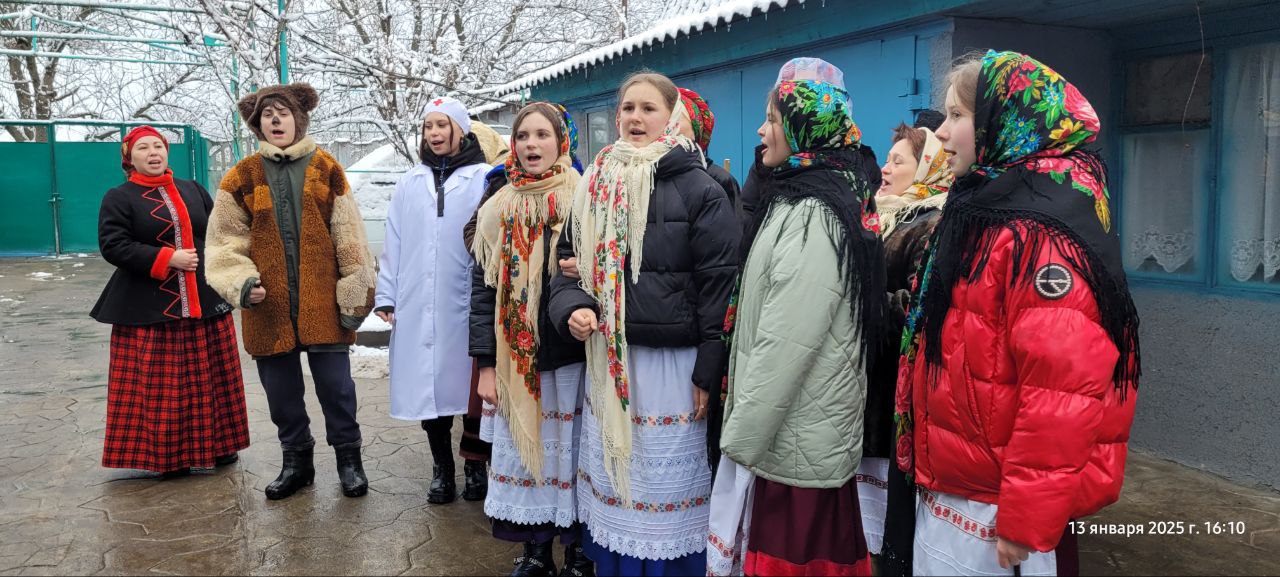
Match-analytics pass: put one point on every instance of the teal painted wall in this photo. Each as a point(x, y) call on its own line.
point(888, 75)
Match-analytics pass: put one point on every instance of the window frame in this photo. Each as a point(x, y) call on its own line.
point(587, 112)
point(1214, 277)
point(1222, 252)
point(1204, 223)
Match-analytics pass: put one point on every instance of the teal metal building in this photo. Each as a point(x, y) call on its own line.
point(1189, 96)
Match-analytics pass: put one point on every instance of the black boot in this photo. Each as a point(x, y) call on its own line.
point(477, 477)
point(536, 561)
point(228, 459)
point(576, 563)
point(296, 471)
point(351, 470)
point(444, 488)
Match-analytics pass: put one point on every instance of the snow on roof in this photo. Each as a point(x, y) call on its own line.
point(681, 24)
point(503, 101)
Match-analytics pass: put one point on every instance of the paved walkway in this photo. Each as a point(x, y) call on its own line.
point(65, 514)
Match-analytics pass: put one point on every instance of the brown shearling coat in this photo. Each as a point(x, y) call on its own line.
point(337, 274)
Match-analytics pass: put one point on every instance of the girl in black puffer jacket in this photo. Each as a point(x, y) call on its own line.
point(655, 241)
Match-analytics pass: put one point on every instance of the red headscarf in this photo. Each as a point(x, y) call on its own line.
point(126, 145)
point(700, 117)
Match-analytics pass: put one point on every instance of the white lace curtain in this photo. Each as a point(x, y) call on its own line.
point(1250, 187)
point(1164, 200)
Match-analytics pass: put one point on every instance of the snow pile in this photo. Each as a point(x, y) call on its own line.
point(366, 363)
point(362, 351)
point(505, 100)
point(373, 324)
point(373, 179)
point(668, 29)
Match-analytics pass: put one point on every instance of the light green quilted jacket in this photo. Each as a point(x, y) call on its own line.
point(797, 382)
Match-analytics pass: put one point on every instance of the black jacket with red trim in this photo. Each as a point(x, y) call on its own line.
point(136, 234)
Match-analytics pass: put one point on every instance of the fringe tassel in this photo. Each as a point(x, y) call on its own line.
point(973, 231)
point(528, 445)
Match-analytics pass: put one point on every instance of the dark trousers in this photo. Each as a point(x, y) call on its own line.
point(440, 438)
point(282, 378)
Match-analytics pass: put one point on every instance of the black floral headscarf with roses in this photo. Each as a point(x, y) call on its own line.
point(827, 164)
point(1031, 177)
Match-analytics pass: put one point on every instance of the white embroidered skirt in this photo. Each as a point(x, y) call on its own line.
point(670, 478)
point(731, 500)
point(873, 499)
point(956, 536)
point(514, 495)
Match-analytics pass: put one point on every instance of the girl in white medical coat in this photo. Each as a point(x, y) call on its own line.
point(424, 289)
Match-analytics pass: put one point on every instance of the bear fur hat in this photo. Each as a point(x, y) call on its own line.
point(300, 98)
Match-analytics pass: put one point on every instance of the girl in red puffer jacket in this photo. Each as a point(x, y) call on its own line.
point(1020, 358)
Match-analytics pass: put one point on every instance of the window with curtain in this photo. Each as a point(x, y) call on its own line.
point(1202, 167)
point(1166, 152)
point(1165, 187)
point(601, 131)
point(1250, 166)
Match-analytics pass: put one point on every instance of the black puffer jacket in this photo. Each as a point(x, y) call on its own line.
point(751, 192)
point(688, 272)
point(554, 349)
point(903, 250)
point(727, 182)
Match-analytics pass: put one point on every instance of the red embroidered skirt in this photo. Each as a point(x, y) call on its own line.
point(175, 396)
point(797, 531)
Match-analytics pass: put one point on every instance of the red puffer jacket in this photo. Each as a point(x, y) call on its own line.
point(1024, 413)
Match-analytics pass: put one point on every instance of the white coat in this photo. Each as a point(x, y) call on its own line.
point(425, 273)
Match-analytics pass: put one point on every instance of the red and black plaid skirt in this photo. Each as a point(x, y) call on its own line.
point(175, 397)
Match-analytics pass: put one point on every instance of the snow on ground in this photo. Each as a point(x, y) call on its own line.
point(370, 362)
point(45, 276)
point(366, 363)
point(363, 351)
point(373, 324)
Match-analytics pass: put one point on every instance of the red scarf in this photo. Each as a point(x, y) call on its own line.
point(168, 195)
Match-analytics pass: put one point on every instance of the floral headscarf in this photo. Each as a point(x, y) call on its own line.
point(517, 175)
point(816, 120)
point(1030, 116)
point(928, 187)
point(700, 117)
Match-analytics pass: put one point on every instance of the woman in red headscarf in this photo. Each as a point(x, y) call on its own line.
point(175, 395)
point(697, 126)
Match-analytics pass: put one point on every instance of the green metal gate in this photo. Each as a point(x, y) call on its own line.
point(50, 191)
